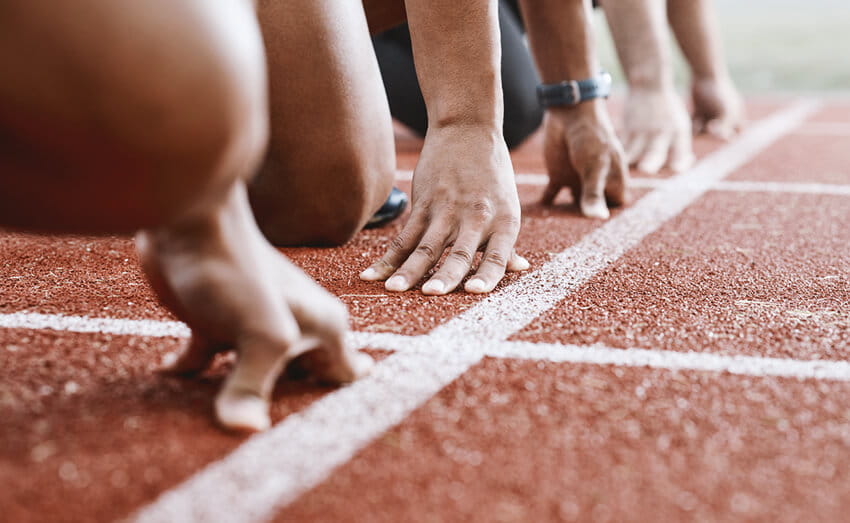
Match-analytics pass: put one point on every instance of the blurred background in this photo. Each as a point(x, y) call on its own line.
point(772, 45)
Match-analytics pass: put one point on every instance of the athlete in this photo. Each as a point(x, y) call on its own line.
point(120, 116)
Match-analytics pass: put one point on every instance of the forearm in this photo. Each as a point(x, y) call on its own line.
point(561, 37)
point(698, 34)
point(457, 54)
point(639, 28)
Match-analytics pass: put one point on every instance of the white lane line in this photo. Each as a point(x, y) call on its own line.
point(421, 345)
point(509, 310)
point(641, 182)
point(60, 322)
point(598, 354)
point(270, 470)
point(829, 189)
point(253, 488)
point(672, 360)
point(824, 129)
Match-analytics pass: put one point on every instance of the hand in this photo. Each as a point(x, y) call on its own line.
point(657, 130)
point(718, 108)
point(235, 291)
point(464, 198)
point(583, 153)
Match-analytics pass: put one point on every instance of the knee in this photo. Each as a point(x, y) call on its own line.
point(373, 181)
point(327, 206)
point(202, 135)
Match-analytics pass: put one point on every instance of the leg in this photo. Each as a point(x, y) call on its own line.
point(159, 129)
point(328, 104)
point(158, 118)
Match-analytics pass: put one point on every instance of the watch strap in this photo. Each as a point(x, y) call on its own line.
point(573, 92)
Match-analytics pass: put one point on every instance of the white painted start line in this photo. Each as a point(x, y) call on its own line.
point(555, 352)
point(272, 469)
point(641, 182)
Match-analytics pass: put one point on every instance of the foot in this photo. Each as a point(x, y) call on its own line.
point(235, 291)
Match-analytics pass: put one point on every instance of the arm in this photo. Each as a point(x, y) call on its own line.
point(464, 193)
point(718, 108)
point(656, 123)
point(581, 150)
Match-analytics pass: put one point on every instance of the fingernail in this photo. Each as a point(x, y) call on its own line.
point(434, 287)
point(521, 264)
point(396, 284)
point(476, 285)
point(369, 274)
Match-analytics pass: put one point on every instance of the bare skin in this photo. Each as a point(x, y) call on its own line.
point(656, 123)
point(464, 195)
point(158, 130)
point(345, 162)
point(581, 150)
point(657, 127)
point(718, 107)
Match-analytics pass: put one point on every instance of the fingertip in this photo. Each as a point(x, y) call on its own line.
point(476, 286)
point(434, 287)
point(361, 365)
point(518, 263)
point(396, 284)
point(683, 163)
point(650, 165)
point(369, 274)
point(595, 208)
point(242, 411)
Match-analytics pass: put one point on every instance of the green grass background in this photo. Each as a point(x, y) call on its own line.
point(772, 45)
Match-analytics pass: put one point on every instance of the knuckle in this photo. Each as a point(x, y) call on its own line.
point(495, 258)
point(483, 210)
point(461, 255)
point(510, 223)
point(398, 244)
point(428, 250)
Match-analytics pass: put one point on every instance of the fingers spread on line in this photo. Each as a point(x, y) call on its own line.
point(592, 202)
point(399, 249)
point(456, 264)
point(424, 256)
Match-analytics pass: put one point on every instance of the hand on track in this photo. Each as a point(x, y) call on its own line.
point(657, 130)
point(464, 198)
point(583, 153)
point(219, 275)
point(718, 108)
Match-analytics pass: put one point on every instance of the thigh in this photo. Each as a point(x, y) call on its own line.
point(112, 111)
point(331, 156)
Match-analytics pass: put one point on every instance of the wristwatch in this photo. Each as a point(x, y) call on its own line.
point(573, 92)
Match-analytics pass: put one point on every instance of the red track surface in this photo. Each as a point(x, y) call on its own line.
point(90, 431)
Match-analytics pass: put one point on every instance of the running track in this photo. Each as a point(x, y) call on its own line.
point(684, 360)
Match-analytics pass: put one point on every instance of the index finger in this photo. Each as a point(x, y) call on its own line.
point(398, 251)
point(592, 202)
